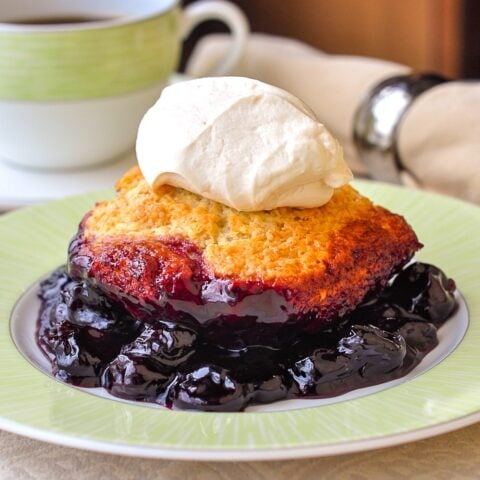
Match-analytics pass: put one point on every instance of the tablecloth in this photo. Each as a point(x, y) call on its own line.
point(455, 455)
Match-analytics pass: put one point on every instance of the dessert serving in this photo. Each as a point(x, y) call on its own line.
point(237, 265)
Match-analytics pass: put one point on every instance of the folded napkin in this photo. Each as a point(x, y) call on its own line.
point(439, 136)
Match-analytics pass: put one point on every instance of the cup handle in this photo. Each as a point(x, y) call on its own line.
point(227, 13)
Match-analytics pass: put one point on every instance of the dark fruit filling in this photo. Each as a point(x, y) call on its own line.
point(220, 365)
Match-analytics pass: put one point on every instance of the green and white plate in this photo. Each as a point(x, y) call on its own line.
point(441, 394)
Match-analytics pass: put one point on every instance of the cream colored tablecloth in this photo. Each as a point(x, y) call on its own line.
point(454, 455)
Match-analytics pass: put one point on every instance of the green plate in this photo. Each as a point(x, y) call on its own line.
point(444, 396)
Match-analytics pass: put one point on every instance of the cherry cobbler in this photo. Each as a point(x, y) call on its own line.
point(171, 298)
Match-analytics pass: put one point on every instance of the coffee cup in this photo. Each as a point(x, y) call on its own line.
point(76, 77)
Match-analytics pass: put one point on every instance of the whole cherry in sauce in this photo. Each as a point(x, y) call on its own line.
point(425, 290)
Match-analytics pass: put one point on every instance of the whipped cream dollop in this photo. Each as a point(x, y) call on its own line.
point(242, 143)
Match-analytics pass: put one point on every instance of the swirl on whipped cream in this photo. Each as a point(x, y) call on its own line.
point(240, 142)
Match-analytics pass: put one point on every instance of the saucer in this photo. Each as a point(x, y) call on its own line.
point(21, 187)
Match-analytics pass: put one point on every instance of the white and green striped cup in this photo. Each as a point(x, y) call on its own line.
point(72, 94)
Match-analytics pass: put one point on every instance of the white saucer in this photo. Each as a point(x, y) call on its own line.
point(21, 187)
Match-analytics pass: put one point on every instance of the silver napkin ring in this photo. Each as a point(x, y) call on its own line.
point(378, 117)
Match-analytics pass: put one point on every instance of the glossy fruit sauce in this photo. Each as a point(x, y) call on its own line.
point(94, 341)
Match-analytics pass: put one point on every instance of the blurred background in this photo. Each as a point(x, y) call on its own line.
point(428, 35)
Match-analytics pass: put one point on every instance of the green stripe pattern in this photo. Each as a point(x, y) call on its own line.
point(89, 63)
point(34, 241)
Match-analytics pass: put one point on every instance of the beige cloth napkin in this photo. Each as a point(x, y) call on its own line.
point(439, 137)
